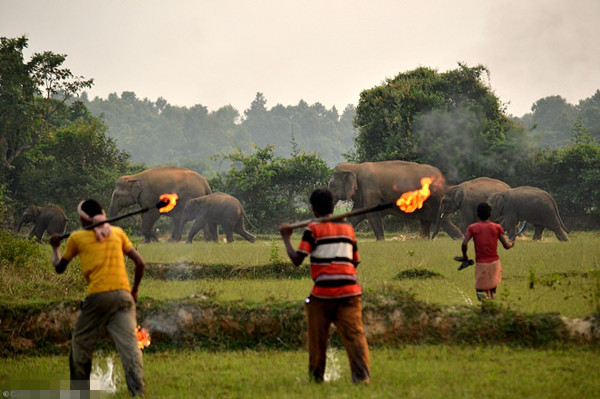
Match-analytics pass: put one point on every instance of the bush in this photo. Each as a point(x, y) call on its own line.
point(26, 271)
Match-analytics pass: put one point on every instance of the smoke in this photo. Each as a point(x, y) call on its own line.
point(333, 368)
point(445, 141)
point(103, 376)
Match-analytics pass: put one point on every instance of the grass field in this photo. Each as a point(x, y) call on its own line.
point(426, 372)
point(541, 277)
point(538, 277)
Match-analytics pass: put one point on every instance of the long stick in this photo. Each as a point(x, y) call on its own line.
point(341, 216)
point(114, 219)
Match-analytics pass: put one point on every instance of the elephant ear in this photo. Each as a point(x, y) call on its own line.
point(35, 211)
point(497, 203)
point(135, 187)
point(350, 184)
point(458, 196)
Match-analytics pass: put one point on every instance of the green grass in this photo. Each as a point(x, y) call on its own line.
point(538, 277)
point(562, 273)
point(413, 371)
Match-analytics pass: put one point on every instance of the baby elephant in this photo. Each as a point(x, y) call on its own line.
point(50, 219)
point(216, 208)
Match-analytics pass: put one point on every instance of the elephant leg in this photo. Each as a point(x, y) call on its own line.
point(177, 227)
point(148, 220)
point(355, 220)
point(196, 227)
point(510, 227)
point(539, 232)
point(451, 229)
point(37, 232)
point(425, 228)
point(211, 232)
point(228, 233)
point(241, 230)
point(376, 222)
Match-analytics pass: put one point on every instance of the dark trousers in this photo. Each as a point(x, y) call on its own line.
point(346, 315)
point(116, 311)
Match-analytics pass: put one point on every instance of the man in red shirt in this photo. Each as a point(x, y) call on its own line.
point(485, 235)
point(336, 296)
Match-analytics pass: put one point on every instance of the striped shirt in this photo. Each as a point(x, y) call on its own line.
point(333, 259)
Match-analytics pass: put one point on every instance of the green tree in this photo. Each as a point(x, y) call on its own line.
point(550, 122)
point(589, 113)
point(79, 162)
point(33, 97)
point(452, 120)
point(571, 175)
point(272, 189)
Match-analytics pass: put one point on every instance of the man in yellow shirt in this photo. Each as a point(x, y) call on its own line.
point(110, 302)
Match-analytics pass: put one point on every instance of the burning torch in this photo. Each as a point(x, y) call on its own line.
point(409, 202)
point(166, 204)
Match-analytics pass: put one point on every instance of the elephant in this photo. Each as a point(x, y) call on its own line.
point(530, 204)
point(465, 197)
point(50, 219)
point(144, 189)
point(217, 208)
point(371, 183)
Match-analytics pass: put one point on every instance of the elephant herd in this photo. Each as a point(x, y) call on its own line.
point(366, 184)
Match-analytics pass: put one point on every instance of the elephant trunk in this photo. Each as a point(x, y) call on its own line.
point(114, 209)
point(19, 226)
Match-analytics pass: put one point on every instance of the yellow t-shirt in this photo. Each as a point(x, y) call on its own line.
point(102, 263)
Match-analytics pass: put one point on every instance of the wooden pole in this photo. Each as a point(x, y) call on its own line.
point(341, 216)
point(114, 219)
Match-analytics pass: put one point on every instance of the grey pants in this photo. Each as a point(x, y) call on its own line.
point(116, 311)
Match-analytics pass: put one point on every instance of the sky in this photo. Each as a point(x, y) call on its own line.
point(223, 52)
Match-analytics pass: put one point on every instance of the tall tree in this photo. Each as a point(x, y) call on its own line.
point(33, 97)
point(452, 120)
point(79, 162)
point(270, 187)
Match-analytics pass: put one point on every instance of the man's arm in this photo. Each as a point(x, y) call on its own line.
point(505, 242)
point(464, 246)
point(286, 233)
point(140, 267)
point(60, 263)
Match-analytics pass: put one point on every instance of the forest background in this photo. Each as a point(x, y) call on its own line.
point(57, 146)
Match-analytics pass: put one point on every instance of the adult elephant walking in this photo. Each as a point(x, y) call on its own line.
point(46, 219)
point(530, 204)
point(371, 183)
point(465, 197)
point(145, 188)
point(216, 208)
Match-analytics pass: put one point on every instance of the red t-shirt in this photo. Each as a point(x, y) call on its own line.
point(485, 236)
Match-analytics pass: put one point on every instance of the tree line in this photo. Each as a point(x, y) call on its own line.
point(156, 133)
point(57, 146)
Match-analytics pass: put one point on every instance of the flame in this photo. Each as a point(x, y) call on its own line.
point(413, 200)
point(143, 337)
point(171, 200)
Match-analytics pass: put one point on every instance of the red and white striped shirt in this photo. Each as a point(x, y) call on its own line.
point(333, 259)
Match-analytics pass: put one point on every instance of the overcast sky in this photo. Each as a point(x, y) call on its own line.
point(221, 52)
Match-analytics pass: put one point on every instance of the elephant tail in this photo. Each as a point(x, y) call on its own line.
point(248, 220)
point(562, 224)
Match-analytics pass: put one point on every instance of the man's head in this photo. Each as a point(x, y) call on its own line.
point(484, 211)
point(322, 202)
point(89, 209)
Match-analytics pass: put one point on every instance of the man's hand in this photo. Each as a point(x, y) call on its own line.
point(134, 294)
point(55, 241)
point(285, 230)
